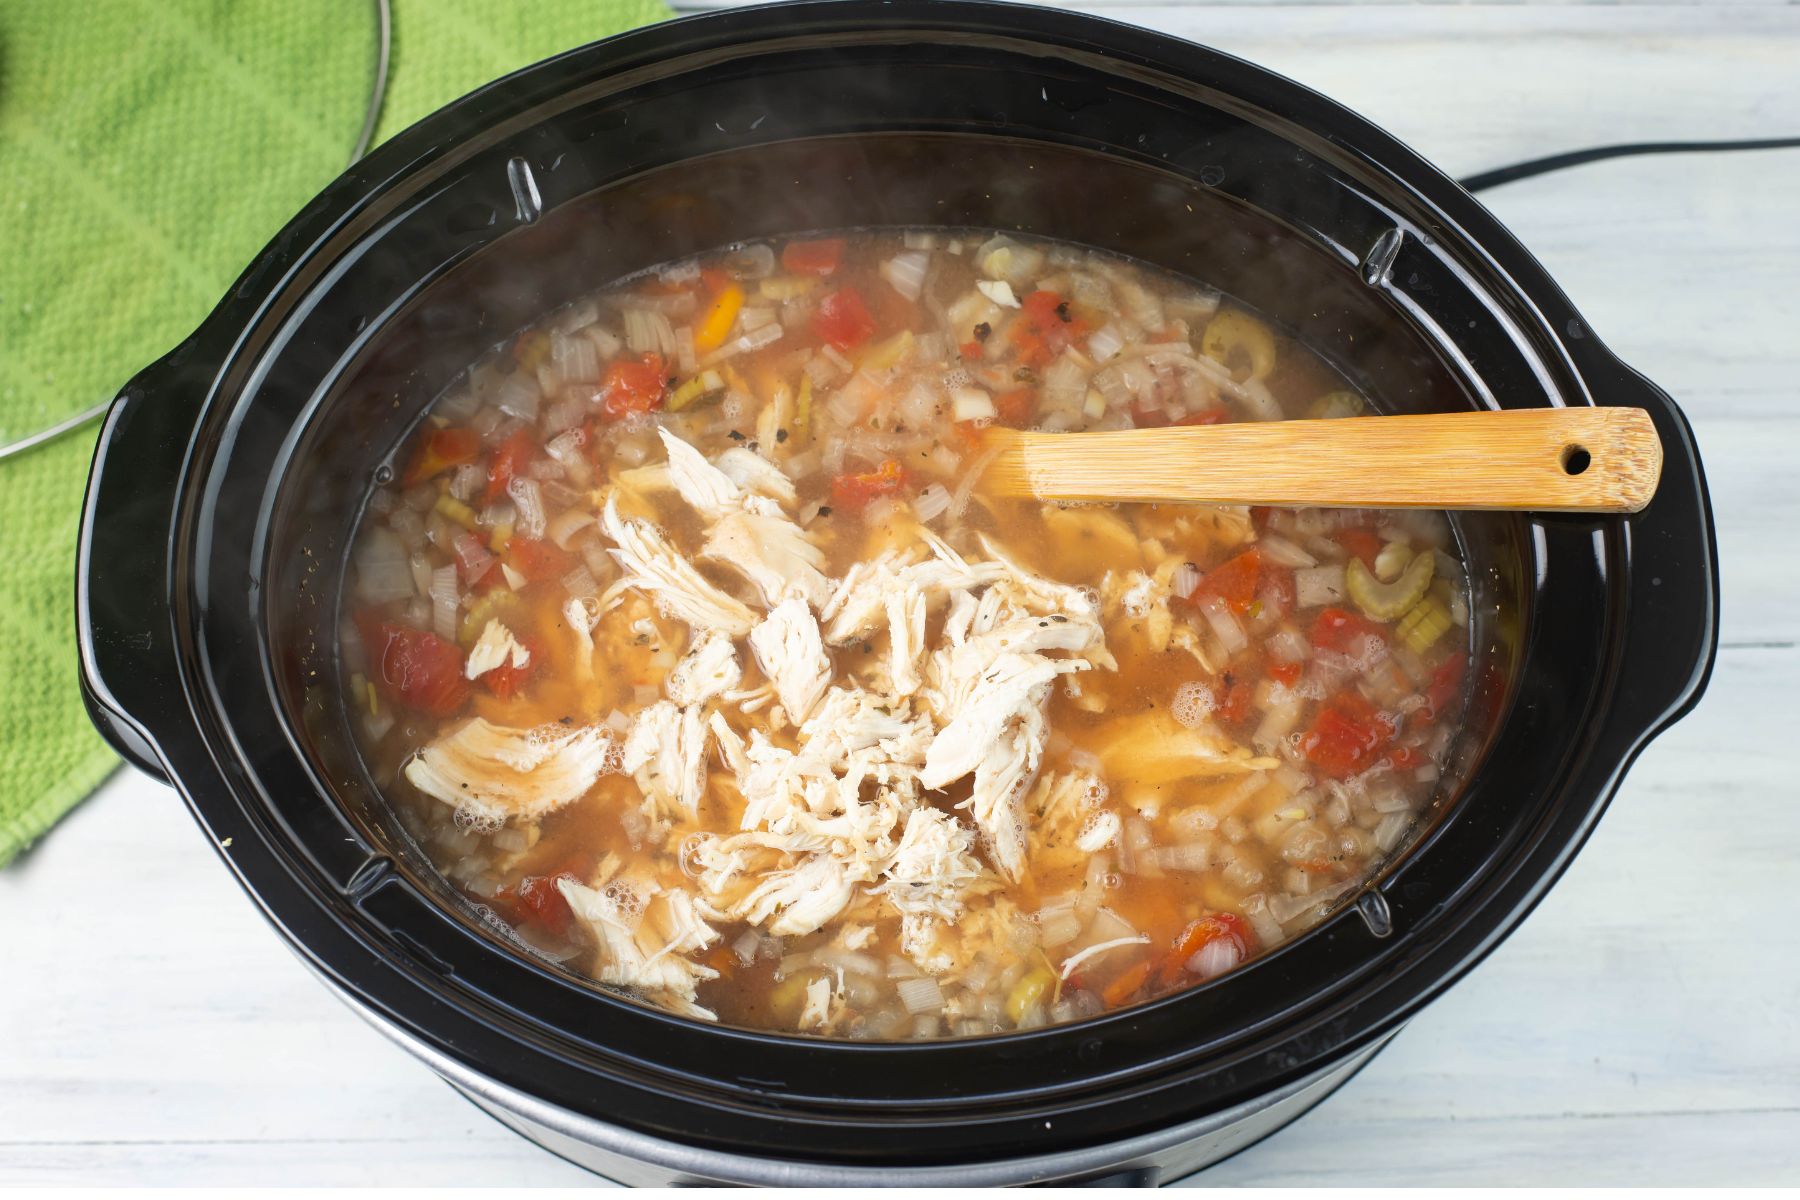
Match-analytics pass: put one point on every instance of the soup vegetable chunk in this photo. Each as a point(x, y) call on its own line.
point(685, 639)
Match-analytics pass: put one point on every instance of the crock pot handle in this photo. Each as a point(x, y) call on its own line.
point(129, 676)
point(1673, 586)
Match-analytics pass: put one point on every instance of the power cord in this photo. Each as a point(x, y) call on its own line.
point(1473, 183)
point(1576, 158)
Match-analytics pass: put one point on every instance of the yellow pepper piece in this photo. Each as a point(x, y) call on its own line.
point(1027, 993)
point(700, 386)
point(1240, 343)
point(456, 510)
point(498, 539)
point(1385, 601)
point(1335, 404)
point(711, 332)
point(495, 603)
point(885, 354)
point(1420, 628)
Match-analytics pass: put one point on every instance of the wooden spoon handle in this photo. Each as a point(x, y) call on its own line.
point(1604, 460)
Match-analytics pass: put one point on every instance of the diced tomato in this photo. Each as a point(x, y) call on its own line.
point(843, 320)
point(970, 350)
point(1445, 683)
point(1126, 983)
point(473, 562)
point(439, 451)
point(969, 434)
point(1156, 418)
point(714, 280)
point(417, 669)
point(820, 257)
point(537, 900)
point(505, 680)
point(1044, 328)
point(1017, 407)
point(510, 459)
point(1199, 934)
point(1344, 632)
point(853, 492)
point(1277, 590)
point(1347, 736)
point(634, 385)
point(1234, 703)
point(1287, 674)
point(537, 559)
point(1233, 581)
point(1361, 544)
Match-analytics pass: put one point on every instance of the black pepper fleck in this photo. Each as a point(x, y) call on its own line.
point(824, 510)
point(780, 436)
point(983, 332)
point(735, 436)
point(1062, 312)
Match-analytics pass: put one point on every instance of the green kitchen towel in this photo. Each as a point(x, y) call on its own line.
point(148, 150)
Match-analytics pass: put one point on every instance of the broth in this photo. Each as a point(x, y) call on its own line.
point(686, 642)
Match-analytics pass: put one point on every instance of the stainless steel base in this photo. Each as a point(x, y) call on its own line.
point(641, 1160)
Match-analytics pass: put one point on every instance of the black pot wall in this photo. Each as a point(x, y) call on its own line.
point(241, 460)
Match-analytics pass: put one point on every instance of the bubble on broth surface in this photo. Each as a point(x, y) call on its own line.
point(1193, 704)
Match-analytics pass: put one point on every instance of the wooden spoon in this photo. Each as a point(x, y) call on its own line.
point(1600, 460)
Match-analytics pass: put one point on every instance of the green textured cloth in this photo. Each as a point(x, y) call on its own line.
point(148, 150)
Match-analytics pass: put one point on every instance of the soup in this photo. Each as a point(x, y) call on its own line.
point(689, 646)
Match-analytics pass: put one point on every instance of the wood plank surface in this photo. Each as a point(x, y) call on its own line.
point(1640, 1027)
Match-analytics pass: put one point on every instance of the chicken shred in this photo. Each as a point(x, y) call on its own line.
point(492, 773)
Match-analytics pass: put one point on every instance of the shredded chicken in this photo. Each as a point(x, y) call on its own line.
point(492, 773)
point(788, 649)
point(651, 565)
point(496, 647)
point(642, 936)
point(772, 552)
point(666, 753)
point(709, 669)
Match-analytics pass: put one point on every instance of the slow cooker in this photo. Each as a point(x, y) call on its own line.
point(230, 472)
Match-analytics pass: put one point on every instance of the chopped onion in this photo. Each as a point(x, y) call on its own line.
point(1194, 856)
point(382, 571)
point(1215, 958)
point(647, 331)
point(999, 291)
point(606, 343)
point(567, 524)
point(1225, 625)
point(1059, 928)
point(530, 502)
point(972, 404)
point(1284, 553)
point(377, 724)
point(746, 946)
point(514, 580)
point(905, 273)
point(932, 502)
point(1388, 833)
point(518, 396)
point(576, 358)
point(1105, 343)
point(1065, 385)
point(920, 995)
point(444, 602)
point(1185, 580)
point(580, 582)
point(1315, 587)
point(566, 448)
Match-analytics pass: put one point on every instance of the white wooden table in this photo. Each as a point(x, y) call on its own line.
point(1642, 1027)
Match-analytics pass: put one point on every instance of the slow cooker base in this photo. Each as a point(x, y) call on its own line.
point(639, 1160)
